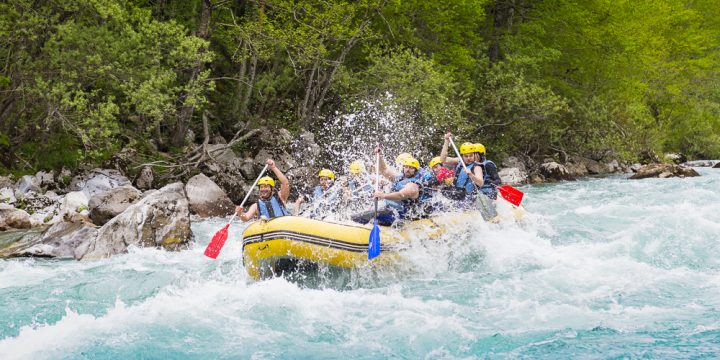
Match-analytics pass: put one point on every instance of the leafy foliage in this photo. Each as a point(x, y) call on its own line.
point(80, 79)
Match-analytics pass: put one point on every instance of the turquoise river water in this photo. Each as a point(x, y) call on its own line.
point(601, 268)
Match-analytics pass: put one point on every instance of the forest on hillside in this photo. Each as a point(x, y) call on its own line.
point(82, 79)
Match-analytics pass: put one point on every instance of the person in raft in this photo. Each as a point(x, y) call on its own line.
point(271, 203)
point(468, 178)
point(324, 197)
point(405, 201)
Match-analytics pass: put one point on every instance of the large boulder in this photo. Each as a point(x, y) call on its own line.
point(59, 241)
point(664, 171)
point(161, 219)
point(98, 180)
point(206, 198)
point(513, 176)
point(717, 166)
point(12, 218)
point(552, 171)
point(106, 205)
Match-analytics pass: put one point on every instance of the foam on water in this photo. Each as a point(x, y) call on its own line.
point(602, 267)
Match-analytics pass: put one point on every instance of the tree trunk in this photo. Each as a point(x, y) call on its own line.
point(501, 20)
point(185, 114)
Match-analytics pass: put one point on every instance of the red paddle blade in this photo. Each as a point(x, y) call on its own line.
point(217, 242)
point(511, 194)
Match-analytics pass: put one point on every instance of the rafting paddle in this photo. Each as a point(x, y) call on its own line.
point(509, 193)
point(374, 240)
point(218, 241)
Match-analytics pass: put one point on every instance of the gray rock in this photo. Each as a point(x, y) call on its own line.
point(35, 202)
point(97, 181)
point(514, 162)
point(12, 218)
point(595, 167)
point(7, 196)
point(635, 167)
point(577, 169)
point(702, 163)
point(206, 198)
point(664, 171)
point(145, 179)
point(222, 154)
point(46, 179)
point(553, 171)
point(248, 169)
point(59, 241)
point(28, 183)
point(717, 166)
point(7, 182)
point(106, 205)
point(161, 219)
point(512, 176)
point(613, 166)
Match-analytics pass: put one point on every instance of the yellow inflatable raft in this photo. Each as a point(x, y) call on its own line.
point(284, 244)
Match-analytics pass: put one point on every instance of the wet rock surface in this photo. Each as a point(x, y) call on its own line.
point(663, 171)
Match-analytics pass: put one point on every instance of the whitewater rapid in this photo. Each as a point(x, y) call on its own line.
point(600, 268)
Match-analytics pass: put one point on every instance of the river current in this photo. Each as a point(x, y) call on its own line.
point(599, 268)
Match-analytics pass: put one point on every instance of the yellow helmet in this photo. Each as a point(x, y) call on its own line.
point(467, 148)
point(400, 158)
point(327, 173)
point(411, 161)
point(357, 167)
point(266, 180)
point(480, 148)
point(436, 160)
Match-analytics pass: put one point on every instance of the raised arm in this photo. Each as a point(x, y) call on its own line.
point(284, 192)
point(444, 152)
point(385, 171)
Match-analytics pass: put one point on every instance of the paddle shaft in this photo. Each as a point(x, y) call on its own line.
point(377, 181)
point(460, 159)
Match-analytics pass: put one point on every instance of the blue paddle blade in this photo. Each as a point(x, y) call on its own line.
point(374, 241)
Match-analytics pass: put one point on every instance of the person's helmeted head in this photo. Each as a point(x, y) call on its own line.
point(410, 167)
point(357, 167)
point(435, 164)
point(326, 178)
point(479, 152)
point(467, 151)
point(265, 187)
point(400, 158)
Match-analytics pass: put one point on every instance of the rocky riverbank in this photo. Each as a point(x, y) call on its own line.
point(100, 212)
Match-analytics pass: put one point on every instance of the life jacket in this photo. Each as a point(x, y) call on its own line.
point(491, 178)
point(318, 192)
point(409, 208)
point(272, 208)
point(462, 179)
